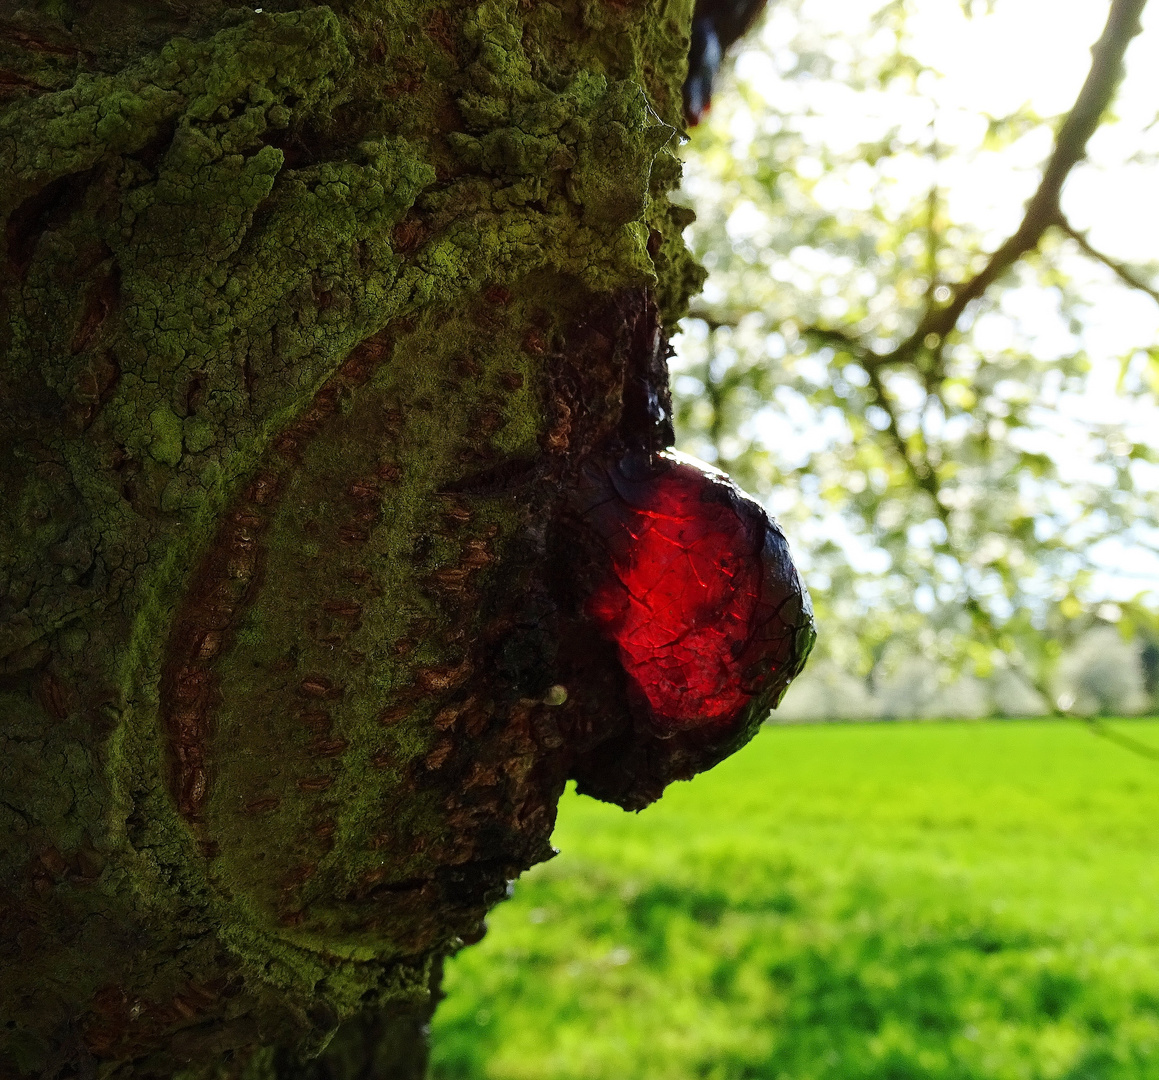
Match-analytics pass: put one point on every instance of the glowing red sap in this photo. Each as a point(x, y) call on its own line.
point(702, 600)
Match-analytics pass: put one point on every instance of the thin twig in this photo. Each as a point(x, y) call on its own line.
point(713, 319)
point(840, 339)
point(1094, 724)
point(1099, 727)
point(1120, 269)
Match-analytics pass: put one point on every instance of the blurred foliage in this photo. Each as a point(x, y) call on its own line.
point(836, 902)
point(945, 491)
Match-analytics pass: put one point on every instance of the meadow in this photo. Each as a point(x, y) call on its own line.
point(959, 901)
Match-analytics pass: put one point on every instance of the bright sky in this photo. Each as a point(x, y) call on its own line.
point(1031, 53)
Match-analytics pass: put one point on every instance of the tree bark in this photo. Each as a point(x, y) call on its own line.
point(310, 314)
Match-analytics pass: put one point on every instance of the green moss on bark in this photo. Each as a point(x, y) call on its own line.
point(199, 236)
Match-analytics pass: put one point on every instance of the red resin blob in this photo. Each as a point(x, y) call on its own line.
point(697, 597)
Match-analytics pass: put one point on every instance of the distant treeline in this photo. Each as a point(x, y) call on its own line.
point(1103, 674)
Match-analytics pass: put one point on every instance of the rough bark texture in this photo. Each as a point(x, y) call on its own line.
point(308, 315)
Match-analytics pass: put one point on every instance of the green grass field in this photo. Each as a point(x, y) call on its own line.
point(894, 901)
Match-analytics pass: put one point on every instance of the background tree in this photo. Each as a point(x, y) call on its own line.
point(907, 387)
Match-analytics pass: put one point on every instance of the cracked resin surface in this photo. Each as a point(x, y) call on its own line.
point(701, 598)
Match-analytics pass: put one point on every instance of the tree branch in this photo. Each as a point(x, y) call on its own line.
point(1042, 210)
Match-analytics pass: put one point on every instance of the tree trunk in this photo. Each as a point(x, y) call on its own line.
point(311, 317)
